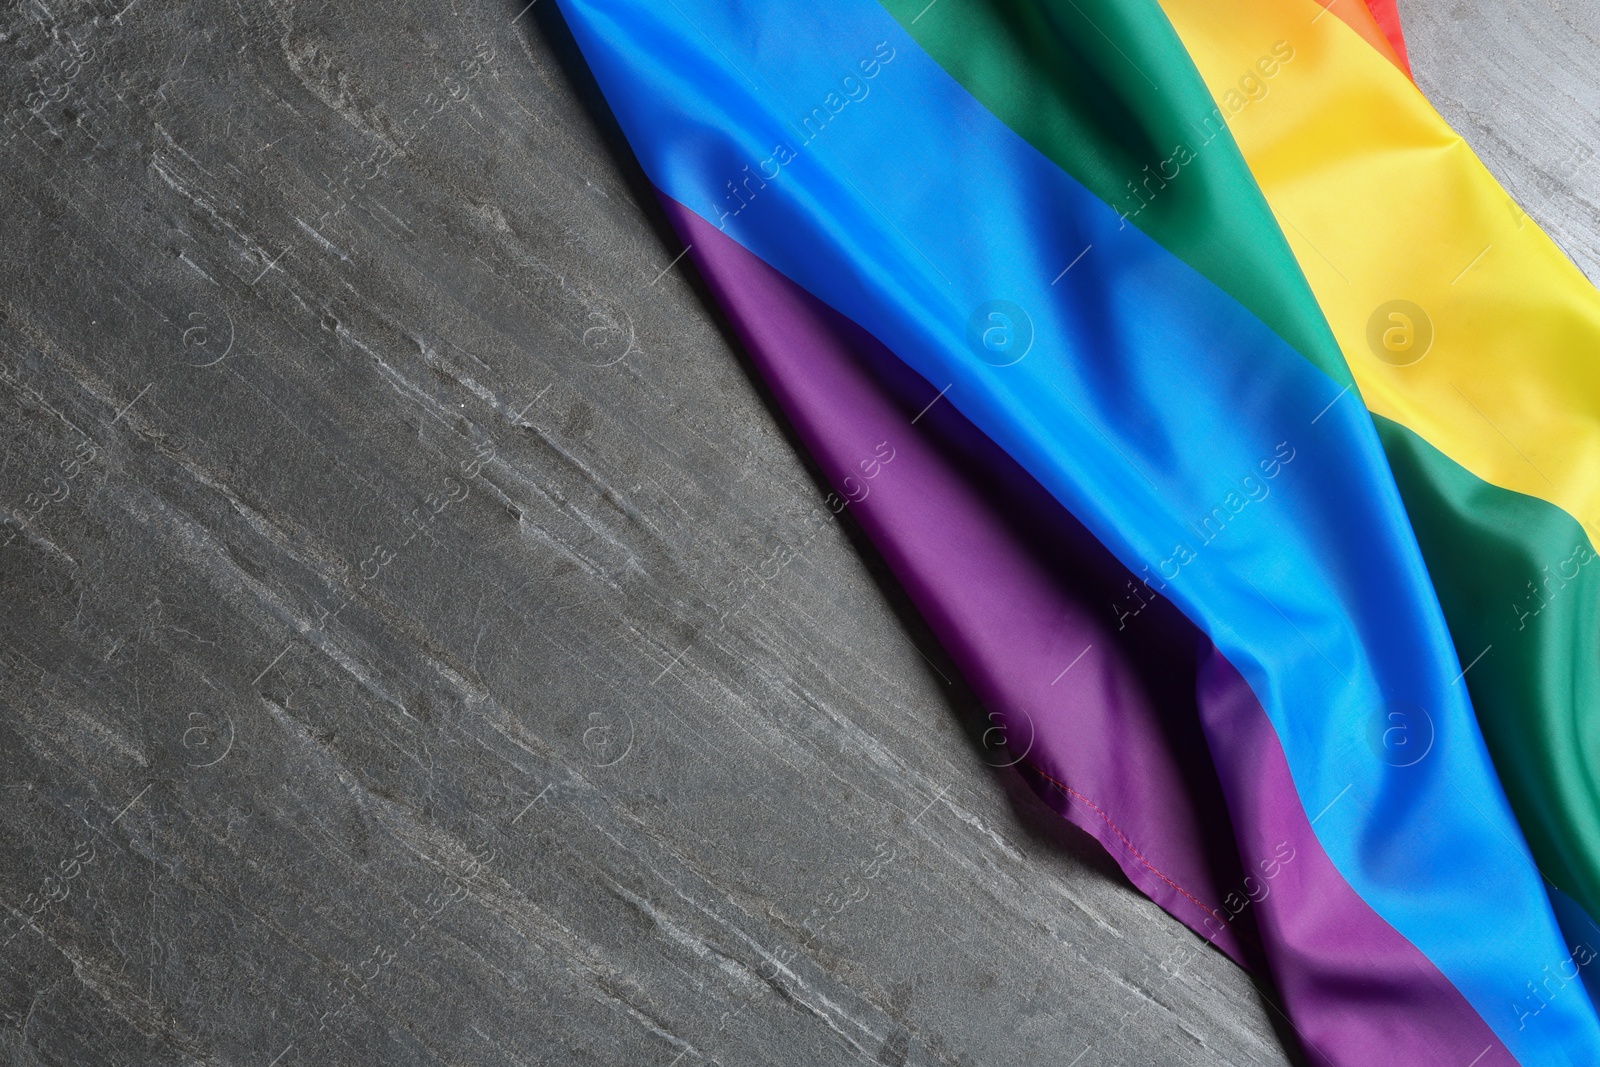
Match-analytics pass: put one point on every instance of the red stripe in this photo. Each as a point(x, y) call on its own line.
point(1387, 16)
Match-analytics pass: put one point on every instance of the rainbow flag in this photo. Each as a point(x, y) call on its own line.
point(1233, 428)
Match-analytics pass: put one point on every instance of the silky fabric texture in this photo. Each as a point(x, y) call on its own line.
point(1098, 712)
point(1366, 20)
point(1502, 476)
point(1532, 687)
point(1350, 601)
point(1393, 204)
point(1519, 586)
point(1387, 16)
point(1133, 123)
point(1016, 590)
point(1358, 994)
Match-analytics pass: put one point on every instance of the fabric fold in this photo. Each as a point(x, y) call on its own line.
point(1471, 337)
point(1233, 474)
point(1111, 709)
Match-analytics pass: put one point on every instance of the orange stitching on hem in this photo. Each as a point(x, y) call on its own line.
point(1074, 794)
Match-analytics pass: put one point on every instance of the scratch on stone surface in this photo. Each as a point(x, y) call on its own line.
point(327, 245)
point(1094, 916)
point(250, 249)
point(371, 204)
point(321, 76)
point(675, 933)
point(273, 603)
point(651, 1026)
point(987, 831)
point(322, 643)
point(1138, 991)
point(32, 535)
point(401, 384)
point(812, 1001)
point(192, 265)
point(472, 692)
point(76, 722)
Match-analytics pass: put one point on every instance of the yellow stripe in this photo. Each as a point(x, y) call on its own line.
point(1382, 202)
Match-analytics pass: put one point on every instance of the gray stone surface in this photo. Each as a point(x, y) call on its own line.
point(391, 666)
point(1520, 81)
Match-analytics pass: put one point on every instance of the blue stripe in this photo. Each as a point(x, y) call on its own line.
point(1148, 396)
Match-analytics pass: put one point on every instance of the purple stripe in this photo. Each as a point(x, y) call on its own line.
point(1357, 991)
point(1015, 603)
point(1104, 705)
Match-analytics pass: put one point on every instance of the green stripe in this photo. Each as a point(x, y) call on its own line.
point(1106, 90)
point(1536, 688)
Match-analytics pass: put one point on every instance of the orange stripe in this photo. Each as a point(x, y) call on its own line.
point(1387, 16)
point(1363, 18)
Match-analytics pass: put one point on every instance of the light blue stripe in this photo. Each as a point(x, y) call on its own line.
point(1148, 395)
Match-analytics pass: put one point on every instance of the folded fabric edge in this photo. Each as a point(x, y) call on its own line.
point(1101, 754)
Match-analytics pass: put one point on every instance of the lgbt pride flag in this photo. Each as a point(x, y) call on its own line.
point(1236, 432)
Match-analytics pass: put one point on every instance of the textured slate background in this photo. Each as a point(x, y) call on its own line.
point(392, 665)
